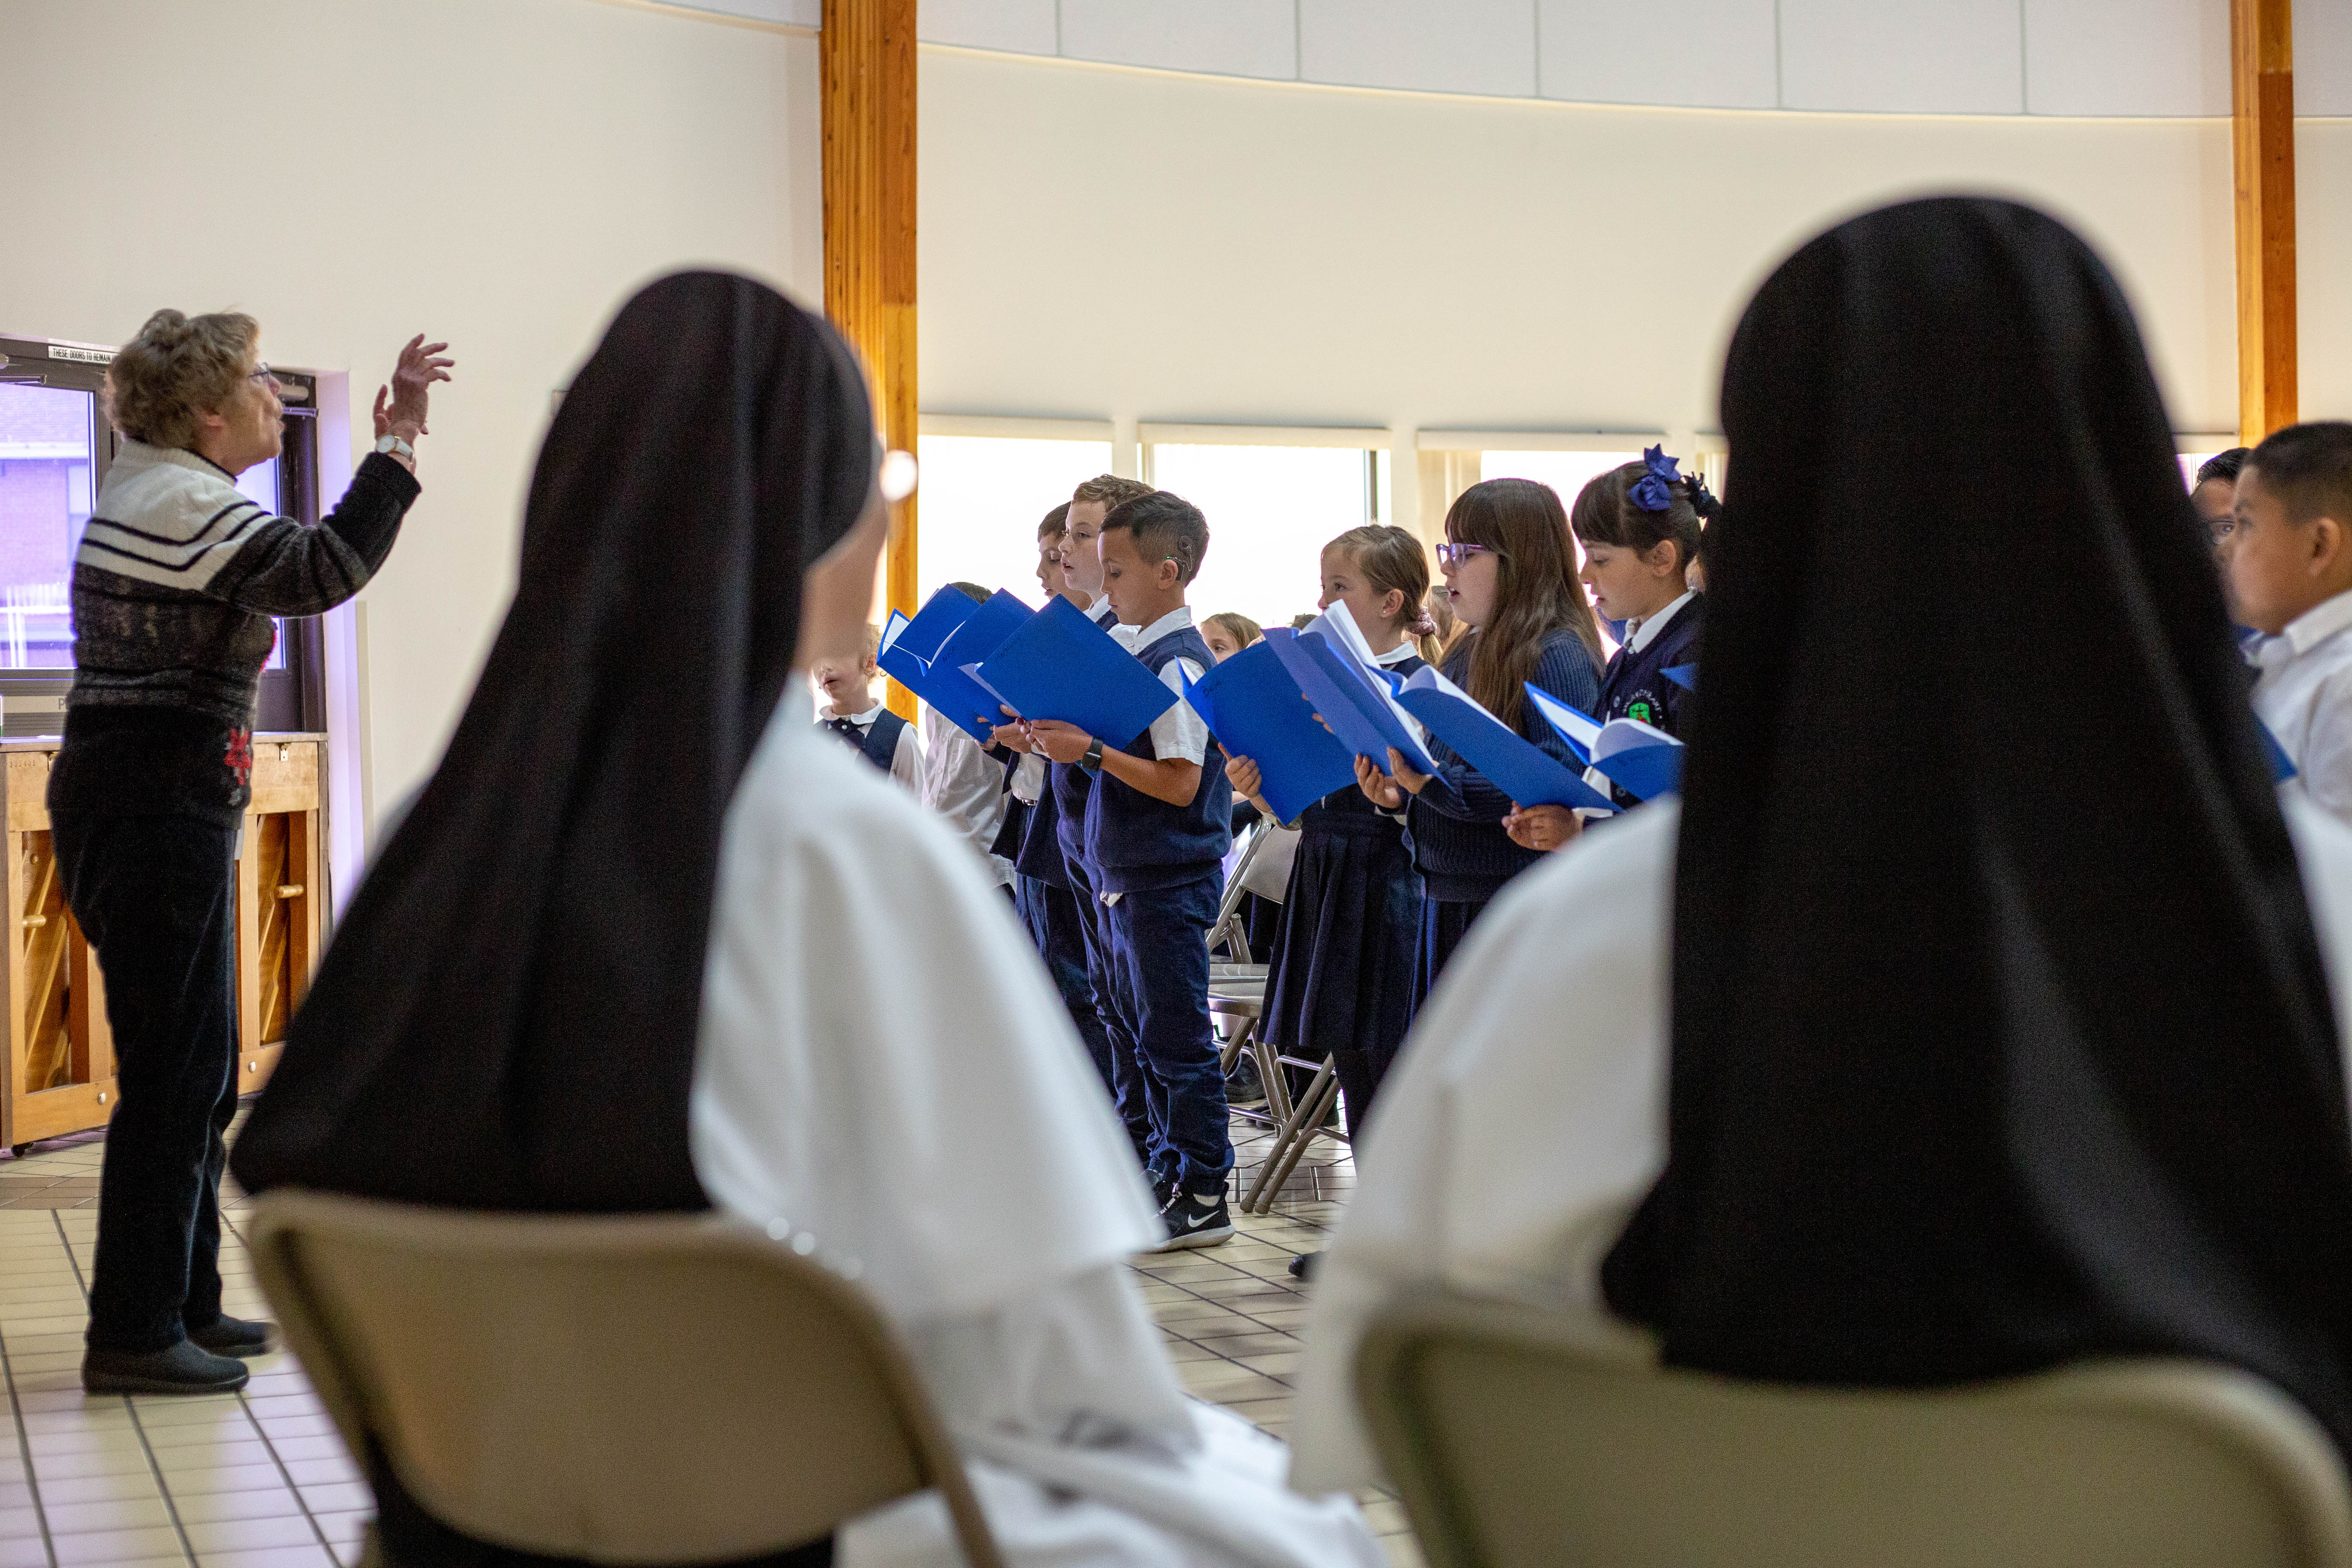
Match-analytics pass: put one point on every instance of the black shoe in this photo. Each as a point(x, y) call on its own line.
point(1244, 1087)
point(1303, 1266)
point(1196, 1219)
point(186, 1368)
point(233, 1336)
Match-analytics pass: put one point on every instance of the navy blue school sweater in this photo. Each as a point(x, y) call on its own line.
point(1457, 821)
point(1635, 685)
point(1134, 842)
point(879, 745)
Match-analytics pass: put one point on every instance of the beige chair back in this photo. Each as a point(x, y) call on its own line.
point(1520, 1437)
point(621, 1389)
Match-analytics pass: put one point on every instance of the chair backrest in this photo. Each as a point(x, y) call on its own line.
point(1225, 931)
point(619, 1389)
point(1519, 1437)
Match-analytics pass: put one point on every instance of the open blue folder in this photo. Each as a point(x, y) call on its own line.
point(1256, 710)
point(1060, 664)
point(941, 614)
point(958, 700)
point(1511, 763)
point(1641, 759)
point(1365, 722)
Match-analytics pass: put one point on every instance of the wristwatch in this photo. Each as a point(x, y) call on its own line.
point(1092, 761)
point(393, 443)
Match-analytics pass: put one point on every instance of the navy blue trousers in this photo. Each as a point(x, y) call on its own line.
point(1159, 958)
point(1054, 924)
point(157, 898)
point(1127, 1090)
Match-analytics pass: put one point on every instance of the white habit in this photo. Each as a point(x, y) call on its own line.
point(884, 1064)
point(1526, 1116)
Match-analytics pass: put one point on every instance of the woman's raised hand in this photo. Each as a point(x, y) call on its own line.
point(1542, 827)
point(1381, 790)
point(408, 393)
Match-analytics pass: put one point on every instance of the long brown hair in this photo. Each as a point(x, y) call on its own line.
point(1389, 558)
point(1537, 591)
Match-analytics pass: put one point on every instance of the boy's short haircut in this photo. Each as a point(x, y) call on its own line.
point(2224, 466)
point(1056, 523)
point(972, 591)
point(1166, 527)
point(1111, 490)
point(2309, 469)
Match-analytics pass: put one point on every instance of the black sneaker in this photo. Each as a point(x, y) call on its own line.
point(1196, 1219)
point(1244, 1087)
point(1303, 1266)
point(233, 1336)
point(185, 1368)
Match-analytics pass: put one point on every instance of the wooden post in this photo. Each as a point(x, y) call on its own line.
point(868, 52)
point(2261, 97)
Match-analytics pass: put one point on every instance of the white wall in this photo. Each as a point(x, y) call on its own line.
point(499, 172)
point(1957, 57)
point(1107, 242)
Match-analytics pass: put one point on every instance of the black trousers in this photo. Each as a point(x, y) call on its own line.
point(157, 898)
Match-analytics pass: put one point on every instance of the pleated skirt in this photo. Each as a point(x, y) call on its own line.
point(1342, 975)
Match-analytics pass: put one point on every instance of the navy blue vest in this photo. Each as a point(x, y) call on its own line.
point(881, 743)
point(1134, 842)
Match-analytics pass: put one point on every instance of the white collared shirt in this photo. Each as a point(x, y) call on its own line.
point(906, 762)
point(966, 786)
point(1642, 633)
point(2304, 694)
point(1177, 733)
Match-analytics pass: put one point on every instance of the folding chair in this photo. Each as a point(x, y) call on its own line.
point(624, 1390)
point(1520, 1437)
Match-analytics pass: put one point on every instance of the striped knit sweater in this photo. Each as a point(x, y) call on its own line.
point(179, 575)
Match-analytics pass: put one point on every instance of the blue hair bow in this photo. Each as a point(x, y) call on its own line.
point(1650, 492)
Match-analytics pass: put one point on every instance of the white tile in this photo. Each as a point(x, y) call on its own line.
point(1955, 57)
point(1232, 38)
point(1436, 46)
point(1708, 54)
point(1018, 26)
point(2323, 57)
point(2127, 56)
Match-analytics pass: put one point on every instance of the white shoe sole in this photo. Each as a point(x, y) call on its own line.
point(1210, 1238)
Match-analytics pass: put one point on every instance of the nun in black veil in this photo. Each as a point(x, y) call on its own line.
point(650, 941)
point(1971, 1012)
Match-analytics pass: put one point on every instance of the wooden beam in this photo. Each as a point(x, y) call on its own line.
point(2261, 96)
point(868, 48)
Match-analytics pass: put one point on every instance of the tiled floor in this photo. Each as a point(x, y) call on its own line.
point(258, 1478)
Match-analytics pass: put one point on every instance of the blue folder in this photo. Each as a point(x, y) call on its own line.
point(983, 632)
point(941, 614)
point(1362, 720)
point(1510, 762)
point(1638, 758)
point(1256, 710)
point(1061, 666)
point(952, 694)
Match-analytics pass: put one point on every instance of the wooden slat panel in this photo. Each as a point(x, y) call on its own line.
point(29, 791)
point(868, 109)
point(2261, 66)
point(285, 776)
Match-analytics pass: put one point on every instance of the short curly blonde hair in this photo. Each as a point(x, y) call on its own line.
point(176, 369)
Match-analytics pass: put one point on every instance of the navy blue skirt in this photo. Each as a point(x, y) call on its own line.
point(1444, 923)
point(1343, 957)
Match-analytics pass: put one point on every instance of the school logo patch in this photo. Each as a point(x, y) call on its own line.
point(1643, 708)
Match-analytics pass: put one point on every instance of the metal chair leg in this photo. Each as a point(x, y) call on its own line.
point(1298, 1129)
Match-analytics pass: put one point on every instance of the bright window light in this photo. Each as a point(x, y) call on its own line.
point(1566, 472)
point(1271, 511)
point(980, 502)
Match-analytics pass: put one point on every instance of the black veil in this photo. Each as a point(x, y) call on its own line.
point(507, 1017)
point(2000, 1034)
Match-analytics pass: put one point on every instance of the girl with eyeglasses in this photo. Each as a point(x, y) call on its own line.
point(1510, 577)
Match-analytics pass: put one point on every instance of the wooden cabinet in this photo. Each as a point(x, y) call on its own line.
point(61, 1066)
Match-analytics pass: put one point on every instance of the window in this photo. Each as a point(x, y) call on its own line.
point(1566, 472)
point(980, 499)
point(1271, 511)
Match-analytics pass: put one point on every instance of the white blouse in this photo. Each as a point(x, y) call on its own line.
point(1527, 1115)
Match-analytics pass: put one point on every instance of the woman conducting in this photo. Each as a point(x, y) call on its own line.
point(174, 587)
